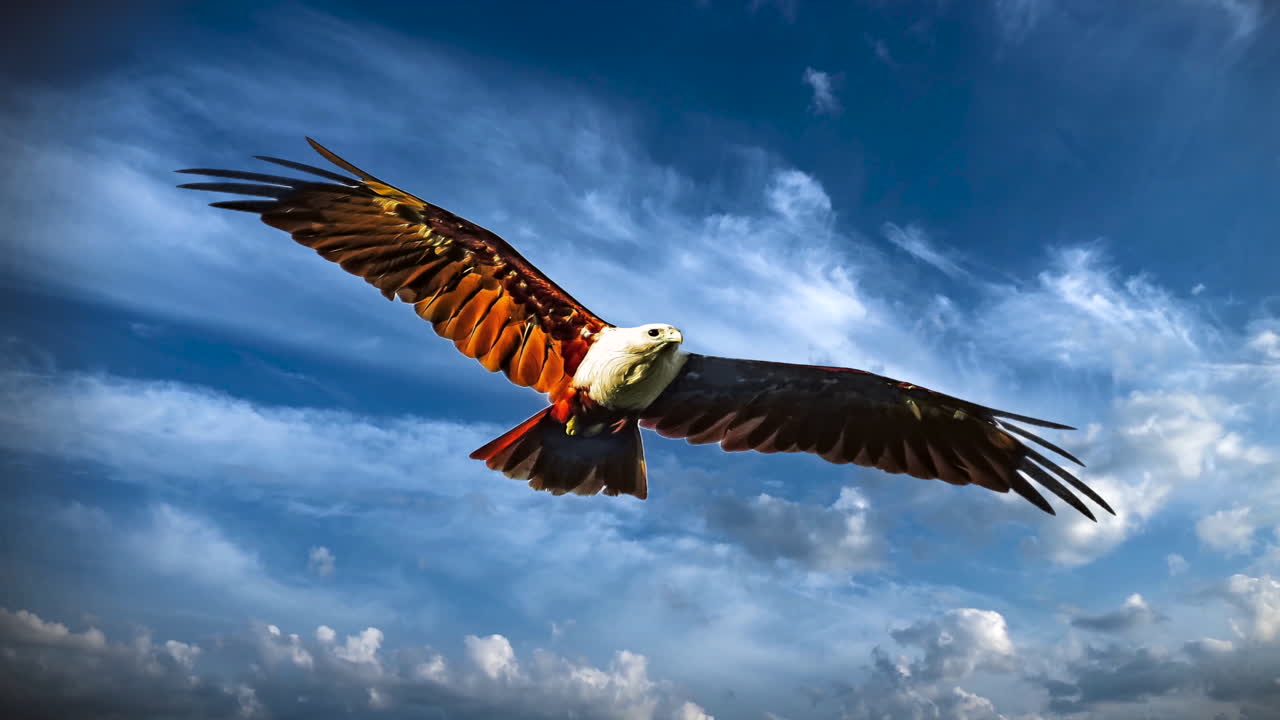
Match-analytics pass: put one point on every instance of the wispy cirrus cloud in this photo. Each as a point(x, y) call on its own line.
point(788, 9)
point(1018, 18)
point(1244, 16)
point(822, 84)
point(916, 242)
point(1078, 312)
point(161, 433)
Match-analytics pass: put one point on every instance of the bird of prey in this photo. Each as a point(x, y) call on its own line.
point(604, 382)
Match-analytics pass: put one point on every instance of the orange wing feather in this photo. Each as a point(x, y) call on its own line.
point(472, 286)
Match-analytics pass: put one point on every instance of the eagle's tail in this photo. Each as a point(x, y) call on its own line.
point(542, 451)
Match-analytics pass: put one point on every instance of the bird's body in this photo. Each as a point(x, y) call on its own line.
point(604, 383)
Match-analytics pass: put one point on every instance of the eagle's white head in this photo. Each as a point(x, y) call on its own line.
point(628, 367)
point(641, 340)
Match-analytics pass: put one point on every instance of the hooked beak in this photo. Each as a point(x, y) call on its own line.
point(675, 336)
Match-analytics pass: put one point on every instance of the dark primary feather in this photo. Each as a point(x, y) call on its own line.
point(469, 283)
point(271, 191)
point(852, 416)
point(321, 172)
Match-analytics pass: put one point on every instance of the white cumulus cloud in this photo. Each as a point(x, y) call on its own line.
point(1228, 531)
point(321, 561)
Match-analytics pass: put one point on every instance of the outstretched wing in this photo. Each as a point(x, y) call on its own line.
point(473, 287)
point(847, 415)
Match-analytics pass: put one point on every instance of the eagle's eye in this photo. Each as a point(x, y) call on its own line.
point(653, 332)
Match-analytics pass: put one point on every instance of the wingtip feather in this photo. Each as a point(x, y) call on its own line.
point(249, 206)
point(312, 169)
point(332, 157)
point(1039, 441)
point(1070, 479)
point(1040, 475)
point(1032, 421)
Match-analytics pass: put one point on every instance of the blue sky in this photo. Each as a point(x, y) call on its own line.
point(237, 479)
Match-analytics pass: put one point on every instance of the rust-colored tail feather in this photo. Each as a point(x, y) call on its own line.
point(540, 451)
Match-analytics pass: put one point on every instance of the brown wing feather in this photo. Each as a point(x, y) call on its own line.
point(851, 416)
point(473, 287)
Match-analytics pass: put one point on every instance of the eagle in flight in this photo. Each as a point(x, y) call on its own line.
point(604, 382)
